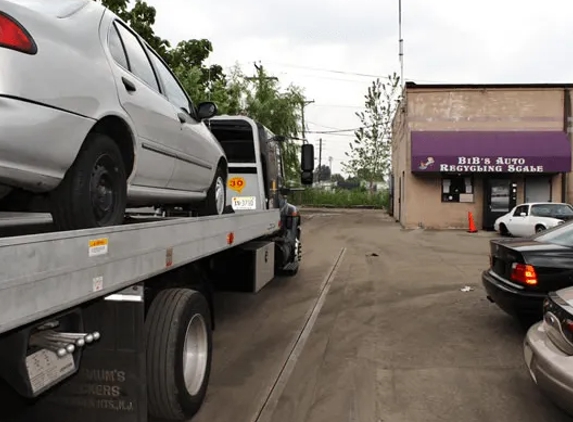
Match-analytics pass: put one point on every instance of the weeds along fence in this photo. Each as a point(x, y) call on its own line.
point(340, 198)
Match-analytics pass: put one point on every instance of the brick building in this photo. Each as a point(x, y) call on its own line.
point(478, 148)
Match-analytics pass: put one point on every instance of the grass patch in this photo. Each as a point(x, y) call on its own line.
point(341, 198)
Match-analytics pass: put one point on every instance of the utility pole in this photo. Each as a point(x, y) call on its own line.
point(319, 158)
point(400, 43)
point(260, 72)
point(303, 104)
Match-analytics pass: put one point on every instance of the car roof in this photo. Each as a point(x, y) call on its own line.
point(543, 203)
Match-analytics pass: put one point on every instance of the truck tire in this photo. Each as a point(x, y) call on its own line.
point(93, 192)
point(291, 272)
point(179, 351)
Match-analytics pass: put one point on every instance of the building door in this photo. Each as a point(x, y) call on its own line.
point(391, 198)
point(500, 196)
point(399, 199)
point(538, 189)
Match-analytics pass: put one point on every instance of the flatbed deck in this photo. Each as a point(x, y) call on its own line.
point(43, 274)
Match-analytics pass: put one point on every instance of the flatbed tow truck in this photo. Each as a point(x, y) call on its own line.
point(115, 324)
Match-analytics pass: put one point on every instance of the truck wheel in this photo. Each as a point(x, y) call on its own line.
point(93, 192)
point(179, 346)
point(216, 196)
point(291, 272)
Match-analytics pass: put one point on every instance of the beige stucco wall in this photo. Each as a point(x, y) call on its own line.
point(476, 109)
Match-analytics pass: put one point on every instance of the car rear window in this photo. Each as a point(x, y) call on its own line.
point(551, 210)
point(55, 8)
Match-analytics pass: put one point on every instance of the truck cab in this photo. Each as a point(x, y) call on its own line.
point(256, 179)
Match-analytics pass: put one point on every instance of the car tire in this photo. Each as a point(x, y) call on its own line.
point(93, 192)
point(215, 203)
point(178, 353)
point(503, 230)
point(539, 228)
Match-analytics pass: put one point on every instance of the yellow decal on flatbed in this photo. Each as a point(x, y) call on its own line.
point(98, 247)
point(237, 184)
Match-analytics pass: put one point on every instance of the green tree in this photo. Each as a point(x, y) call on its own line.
point(370, 151)
point(337, 177)
point(279, 110)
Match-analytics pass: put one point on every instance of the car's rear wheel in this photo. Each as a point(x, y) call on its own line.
point(503, 230)
point(217, 194)
point(94, 190)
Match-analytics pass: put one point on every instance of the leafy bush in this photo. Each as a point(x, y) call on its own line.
point(340, 198)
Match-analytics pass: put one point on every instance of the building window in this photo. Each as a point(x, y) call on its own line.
point(457, 188)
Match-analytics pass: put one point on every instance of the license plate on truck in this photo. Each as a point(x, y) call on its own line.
point(244, 203)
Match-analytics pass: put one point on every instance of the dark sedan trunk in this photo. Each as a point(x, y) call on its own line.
point(553, 263)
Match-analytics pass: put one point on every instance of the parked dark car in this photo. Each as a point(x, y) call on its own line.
point(523, 271)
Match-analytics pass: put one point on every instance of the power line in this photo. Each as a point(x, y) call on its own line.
point(326, 127)
point(317, 69)
point(338, 106)
point(338, 130)
point(322, 77)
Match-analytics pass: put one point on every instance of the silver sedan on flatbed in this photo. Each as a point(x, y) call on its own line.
point(92, 120)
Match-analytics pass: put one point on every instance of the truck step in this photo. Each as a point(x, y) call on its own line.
point(62, 343)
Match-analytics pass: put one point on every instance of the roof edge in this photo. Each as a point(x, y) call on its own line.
point(410, 85)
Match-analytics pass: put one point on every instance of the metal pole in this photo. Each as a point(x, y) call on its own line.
point(400, 43)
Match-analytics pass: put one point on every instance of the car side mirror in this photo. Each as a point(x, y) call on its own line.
point(522, 214)
point(206, 110)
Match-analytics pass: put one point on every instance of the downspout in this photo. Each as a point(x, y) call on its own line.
point(566, 128)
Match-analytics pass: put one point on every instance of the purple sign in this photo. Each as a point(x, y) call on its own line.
point(491, 152)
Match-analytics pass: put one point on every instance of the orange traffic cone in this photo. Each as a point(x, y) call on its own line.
point(471, 223)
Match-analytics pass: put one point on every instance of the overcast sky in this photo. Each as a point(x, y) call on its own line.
point(444, 41)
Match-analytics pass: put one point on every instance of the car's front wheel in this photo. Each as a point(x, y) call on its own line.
point(94, 190)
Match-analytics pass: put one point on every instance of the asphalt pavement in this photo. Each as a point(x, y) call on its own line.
point(375, 327)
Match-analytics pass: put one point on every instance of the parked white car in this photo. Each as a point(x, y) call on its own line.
point(93, 121)
point(530, 218)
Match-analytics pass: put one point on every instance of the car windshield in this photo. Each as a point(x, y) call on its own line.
point(551, 210)
point(559, 235)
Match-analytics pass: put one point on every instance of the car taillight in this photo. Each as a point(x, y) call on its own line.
point(524, 273)
point(14, 36)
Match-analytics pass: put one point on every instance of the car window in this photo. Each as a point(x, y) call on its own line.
point(116, 48)
point(173, 90)
point(558, 235)
point(551, 210)
point(139, 64)
point(519, 210)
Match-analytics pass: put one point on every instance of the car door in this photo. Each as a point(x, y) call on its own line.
point(155, 119)
point(196, 149)
point(518, 224)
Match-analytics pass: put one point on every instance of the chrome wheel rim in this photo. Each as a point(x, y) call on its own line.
point(220, 195)
point(195, 351)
